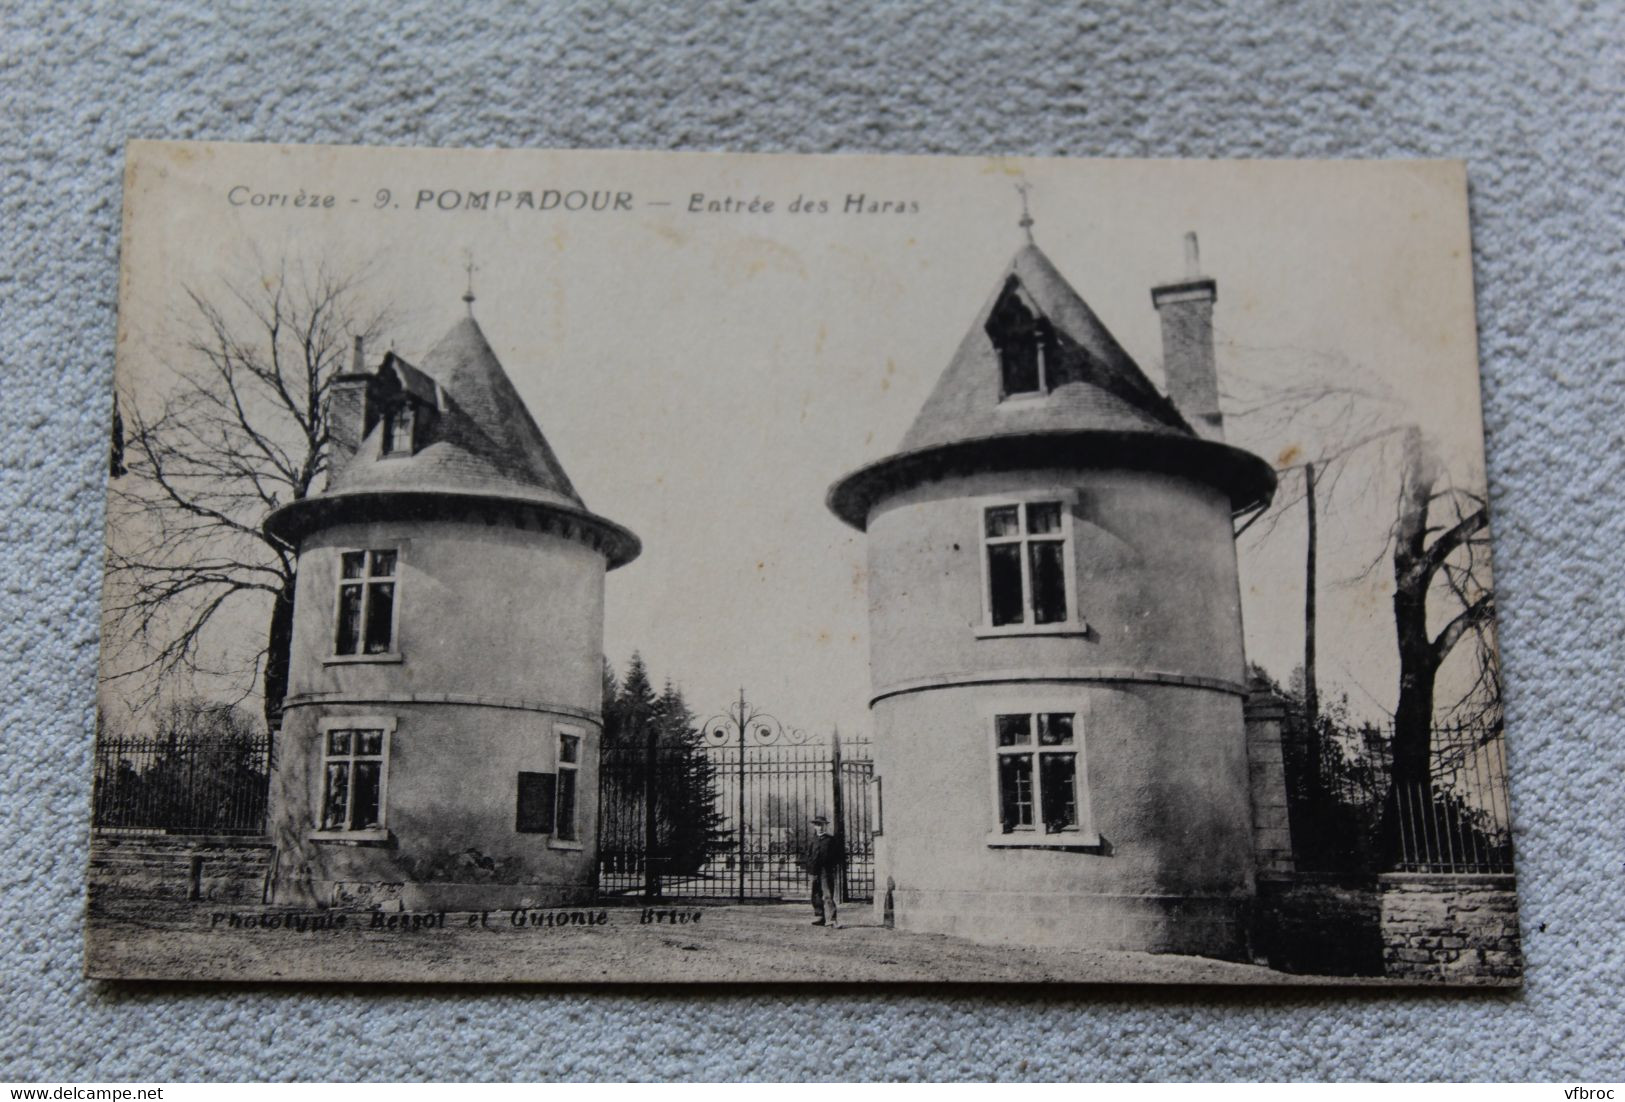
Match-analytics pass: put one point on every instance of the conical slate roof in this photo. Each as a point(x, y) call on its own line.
point(486, 441)
point(483, 449)
point(1098, 410)
point(1095, 386)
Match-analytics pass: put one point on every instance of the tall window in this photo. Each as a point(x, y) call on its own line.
point(398, 424)
point(353, 781)
point(366, 604)
point(1026, 555)
point(569, 765)
point(1037, 762)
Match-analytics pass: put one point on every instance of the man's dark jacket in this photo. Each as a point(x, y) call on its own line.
point(823, 852)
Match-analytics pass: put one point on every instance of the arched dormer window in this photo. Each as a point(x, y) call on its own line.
point(1024, 343)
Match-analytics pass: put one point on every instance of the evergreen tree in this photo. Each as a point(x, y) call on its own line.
point(692, 825)
point(659, 789)
point(635, 706)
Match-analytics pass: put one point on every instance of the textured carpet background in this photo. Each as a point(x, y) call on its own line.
point(1531, 95)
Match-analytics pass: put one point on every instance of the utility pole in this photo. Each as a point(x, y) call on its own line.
point(743, 722)
point(1311, 691)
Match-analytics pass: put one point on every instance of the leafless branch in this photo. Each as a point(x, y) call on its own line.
point(239, 430)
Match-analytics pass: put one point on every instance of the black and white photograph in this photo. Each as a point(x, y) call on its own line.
point(619, 567)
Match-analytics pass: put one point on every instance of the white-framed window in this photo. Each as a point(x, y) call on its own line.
point(1028, 574)
point(1040, 782)
point(566, 828)
point(368, 590)
point(399, 424)
point(354, 775)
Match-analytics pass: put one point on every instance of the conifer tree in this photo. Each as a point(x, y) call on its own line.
point(656, 775)
point(635, 706)
point(693, 825)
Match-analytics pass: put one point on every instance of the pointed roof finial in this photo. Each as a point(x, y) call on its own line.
point(1026, 222)
point(470, 269)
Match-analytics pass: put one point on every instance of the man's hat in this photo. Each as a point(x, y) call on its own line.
point(821, 820)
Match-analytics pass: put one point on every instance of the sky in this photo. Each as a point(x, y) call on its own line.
point(705, 374)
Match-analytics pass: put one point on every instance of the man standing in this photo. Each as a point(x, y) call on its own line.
point(822, 861)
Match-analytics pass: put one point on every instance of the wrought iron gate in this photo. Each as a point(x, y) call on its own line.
point(730, 817)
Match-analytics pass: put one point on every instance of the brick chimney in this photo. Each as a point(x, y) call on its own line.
point(347, 411)
point(1187, 345)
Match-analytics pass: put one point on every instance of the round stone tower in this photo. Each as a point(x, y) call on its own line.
point(439, 739)
point(1057, 664)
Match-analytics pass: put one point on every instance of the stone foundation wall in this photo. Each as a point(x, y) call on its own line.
point(1419, 927)
point(1450, 928)
point(161, 867)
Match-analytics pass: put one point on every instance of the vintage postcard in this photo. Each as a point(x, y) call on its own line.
point(645, 567)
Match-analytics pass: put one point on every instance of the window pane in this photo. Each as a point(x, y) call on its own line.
point(398, 431)
point(1044, 517)
point(1004, 583)
point(1015, 792)
point(380, 617)
point(1003, 521)
point(348, 637)
point(1049, 581)
point(1018, 356)
point(364, 804)
point(338, 743)
point(1014, 730)
point(370, 743)
point(569, 749)
point(1055, 729)
point(1059, 775)
point(354, 561)
point(383, 564)
point(337, 800)
point(566, 829)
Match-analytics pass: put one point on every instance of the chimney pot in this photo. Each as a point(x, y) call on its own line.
point(347, 411)
point(1186, 307)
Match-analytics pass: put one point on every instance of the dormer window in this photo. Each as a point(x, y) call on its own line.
point(1024, 343)
point(398, 430)
point(403, 404)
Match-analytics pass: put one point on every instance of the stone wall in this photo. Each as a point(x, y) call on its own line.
point(1417, 927)
point(162, 867)
point(1445, 928)
point(1266, 782)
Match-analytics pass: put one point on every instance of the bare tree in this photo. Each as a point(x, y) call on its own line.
point(1334, 425)
point(1345, 438)
point(242, 430)
point(1441, 557)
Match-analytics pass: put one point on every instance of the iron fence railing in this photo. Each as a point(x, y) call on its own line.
point(181, 786)
point(1349, 816)
point(1458, 821)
